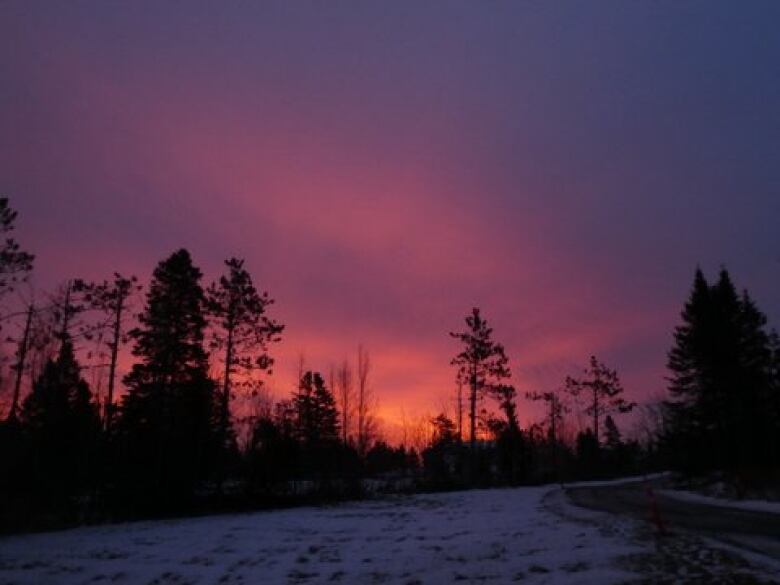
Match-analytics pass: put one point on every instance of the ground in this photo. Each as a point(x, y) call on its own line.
point(525, 535)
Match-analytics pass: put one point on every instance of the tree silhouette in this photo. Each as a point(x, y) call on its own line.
point(722, 398)
point(482, 364)
point(61, 423)
point(365, 402)
point(241, 330)
point(15, 263)
point(167, 414)
point(111, 299)
point(604, 392)
point(317, 414)
point(341, 383)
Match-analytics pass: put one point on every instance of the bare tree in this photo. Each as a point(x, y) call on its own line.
point(366, 403)
point(111, 299)
point(460, 410)
point(21, 354)
point(345, 392)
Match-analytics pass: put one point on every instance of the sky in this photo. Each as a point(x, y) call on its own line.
point(386, 166)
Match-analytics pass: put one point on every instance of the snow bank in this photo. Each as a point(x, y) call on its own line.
point(619, 481)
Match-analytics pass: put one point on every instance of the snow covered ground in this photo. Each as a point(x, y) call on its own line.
point(528, 535)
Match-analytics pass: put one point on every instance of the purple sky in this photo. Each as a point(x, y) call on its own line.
point(385, 166)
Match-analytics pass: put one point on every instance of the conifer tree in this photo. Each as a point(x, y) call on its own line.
point(604, 392)
point(241, 332)
point(167, 414)
point(15, 263)
point(317, 413)
point(612, 437)
point(482, 364)
point(719, 414)
point(62, 424)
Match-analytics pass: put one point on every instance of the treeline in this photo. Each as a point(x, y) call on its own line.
point(483, 443)
point(193, 428)
point(190, 427)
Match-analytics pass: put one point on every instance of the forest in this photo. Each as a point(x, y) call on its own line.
point(191, 427)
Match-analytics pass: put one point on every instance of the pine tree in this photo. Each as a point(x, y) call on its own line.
point(15, 263)
point(241, 331)
point(482, 364)
point(604, 391)
point(168, 412)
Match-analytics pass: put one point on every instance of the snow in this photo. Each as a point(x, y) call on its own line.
point(619, 481)
point(504, 535)
point(751, 505)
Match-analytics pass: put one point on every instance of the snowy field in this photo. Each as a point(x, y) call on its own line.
point(528, 535)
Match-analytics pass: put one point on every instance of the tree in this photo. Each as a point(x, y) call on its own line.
point(62, 423)
point(721, 397)
point(482, 364)
point(167, 414)
point(15, 263)
point(241, 330)
point(509, 440)
point(366, 424)
point(317, 414)
point(111, 299)
point(341, 382)
point(21, 361)
point(605, 392)
point(612, 437)
point(555, 412)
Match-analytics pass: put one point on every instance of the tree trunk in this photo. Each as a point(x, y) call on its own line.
point(460, 412)
point(20, 364)
point(112, 368)
point(473, 409)
point(596, 414)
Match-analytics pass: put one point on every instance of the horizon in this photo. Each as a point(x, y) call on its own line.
point(563, 170)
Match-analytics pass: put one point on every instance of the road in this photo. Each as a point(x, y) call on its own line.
point(757, 532)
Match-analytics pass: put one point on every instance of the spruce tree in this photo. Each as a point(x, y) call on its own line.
point(317, 426)
point(720, 411)
point(61, 424)
point(168, 413)
point(317, 413)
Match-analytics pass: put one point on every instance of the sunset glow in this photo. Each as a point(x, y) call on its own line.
point(382, 174)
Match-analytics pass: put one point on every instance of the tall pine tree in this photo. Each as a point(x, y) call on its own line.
point(241, 332)
point(482, 364)
point(167, 424)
